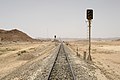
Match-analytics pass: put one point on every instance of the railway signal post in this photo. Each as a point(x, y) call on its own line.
point(89, 18)
point(54, 37)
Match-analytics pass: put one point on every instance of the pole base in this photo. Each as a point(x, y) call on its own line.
point(89, 58)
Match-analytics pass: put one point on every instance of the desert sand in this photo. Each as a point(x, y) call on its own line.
point(105, 56)
point(16, 54)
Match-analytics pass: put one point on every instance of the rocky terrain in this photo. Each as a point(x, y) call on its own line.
point(14, 35)
point(23, 58)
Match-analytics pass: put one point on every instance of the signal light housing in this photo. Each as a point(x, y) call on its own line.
point(89, 14)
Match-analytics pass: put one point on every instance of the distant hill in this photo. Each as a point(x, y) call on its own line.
point(14, 35)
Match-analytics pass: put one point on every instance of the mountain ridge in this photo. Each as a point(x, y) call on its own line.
point(14, 35)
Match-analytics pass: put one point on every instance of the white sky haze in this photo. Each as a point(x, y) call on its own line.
point(64, 18)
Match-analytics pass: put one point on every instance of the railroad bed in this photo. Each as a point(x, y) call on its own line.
point(61, 69)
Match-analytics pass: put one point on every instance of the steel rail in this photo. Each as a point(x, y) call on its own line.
point(66, 57)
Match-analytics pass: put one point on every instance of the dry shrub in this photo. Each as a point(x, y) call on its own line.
point(27, 56)
point(21, 52)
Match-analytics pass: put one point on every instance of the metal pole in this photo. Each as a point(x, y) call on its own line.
point(89, 55)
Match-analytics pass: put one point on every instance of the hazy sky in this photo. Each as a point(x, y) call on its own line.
point(65, 18)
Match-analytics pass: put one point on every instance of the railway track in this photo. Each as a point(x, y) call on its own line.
point(61, 69)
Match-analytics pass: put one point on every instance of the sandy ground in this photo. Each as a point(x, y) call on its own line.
point(14, 55)
point(105, 56)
